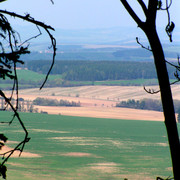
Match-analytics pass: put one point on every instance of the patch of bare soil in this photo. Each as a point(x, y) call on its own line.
point(16, 153)
point(105, 167)
point(48, 131)
point(82, 141)
point(78, 154)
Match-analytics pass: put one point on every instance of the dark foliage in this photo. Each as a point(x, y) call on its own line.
point(99, 70)
point(148, 104)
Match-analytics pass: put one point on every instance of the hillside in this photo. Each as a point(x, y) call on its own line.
point(115, 43)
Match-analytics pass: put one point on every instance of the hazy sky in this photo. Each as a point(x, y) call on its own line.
point(75, 14)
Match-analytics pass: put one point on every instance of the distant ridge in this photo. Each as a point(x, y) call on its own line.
point(96, 44)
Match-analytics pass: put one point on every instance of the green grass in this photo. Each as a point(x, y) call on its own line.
point(132, 82)
point(29, 79)
point(27, 75)
point(131, 149)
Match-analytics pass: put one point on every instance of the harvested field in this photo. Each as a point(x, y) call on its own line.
point(104, 112)
point(98, 101)
point(111, 93)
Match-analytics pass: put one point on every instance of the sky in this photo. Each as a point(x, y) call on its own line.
point(83, 14)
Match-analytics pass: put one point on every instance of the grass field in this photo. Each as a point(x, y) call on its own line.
point(29, 79)
point(27, 75)
point(89, 149)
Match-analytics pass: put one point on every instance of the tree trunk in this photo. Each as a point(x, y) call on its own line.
point(166, 98)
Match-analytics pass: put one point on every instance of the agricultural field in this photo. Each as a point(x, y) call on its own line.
point(110, 93)
point(95, 101)
point(31, 79)
point(66, 147)
point(98, 101)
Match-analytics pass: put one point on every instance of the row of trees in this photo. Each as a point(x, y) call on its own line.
point(54, 102)
point(98, 70)
point(148, 104)
point(23, 105)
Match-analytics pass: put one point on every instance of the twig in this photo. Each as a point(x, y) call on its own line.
point(53, 42)
point(40, 33)
point(147, 48)
point(151, 91)
point(170, 26)
point(168, 178)
point(167, 6)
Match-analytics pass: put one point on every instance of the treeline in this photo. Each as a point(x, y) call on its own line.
point(98, 70)
point(53, 102)
point(146, 104)
point(23, 105)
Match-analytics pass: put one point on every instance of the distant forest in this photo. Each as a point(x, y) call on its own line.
point(98, 70)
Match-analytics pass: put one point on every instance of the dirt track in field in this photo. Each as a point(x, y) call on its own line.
point(99, 101)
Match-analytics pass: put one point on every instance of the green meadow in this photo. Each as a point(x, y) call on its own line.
point(27, 75)
point(29, 79)
point(82, 148)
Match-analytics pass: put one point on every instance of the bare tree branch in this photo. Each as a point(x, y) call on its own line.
point(8, 61)
point(27, 40)
point(147, 48)
point(42, 25)
point(27, 18)
point(53, 42)
point(151, 91)
point(143, 6)
point(26, 138)
point(131, 12)
point(52, 1)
